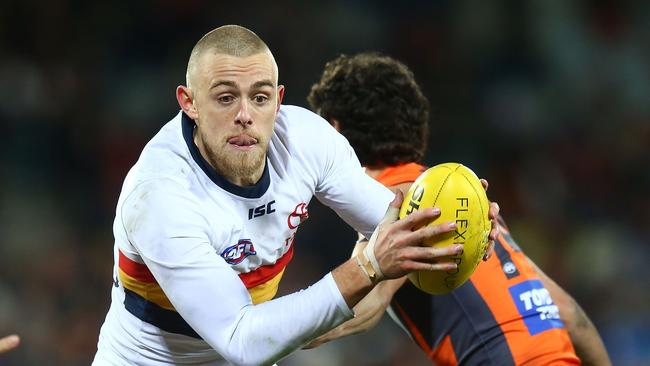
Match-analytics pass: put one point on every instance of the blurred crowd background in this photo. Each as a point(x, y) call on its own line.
point(548, 100)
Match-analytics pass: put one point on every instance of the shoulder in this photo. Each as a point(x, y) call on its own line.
point(400, 174)
point(165, 156)
point(162, 206)
point(293, 112)
point(159, 195)
point(161, 181)
point(306, 139)
point(297, 121)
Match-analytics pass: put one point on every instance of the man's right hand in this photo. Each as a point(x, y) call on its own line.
point(394, 250)
point(398, 244)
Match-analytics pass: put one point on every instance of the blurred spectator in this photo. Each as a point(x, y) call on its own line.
point(8, 343)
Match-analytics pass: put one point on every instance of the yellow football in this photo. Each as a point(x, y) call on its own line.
point(459, 195)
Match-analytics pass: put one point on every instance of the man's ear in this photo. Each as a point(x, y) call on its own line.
point(186, 102)
point(280, 97)
point(336, 124)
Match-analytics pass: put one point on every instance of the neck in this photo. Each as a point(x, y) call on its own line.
point(374, 172)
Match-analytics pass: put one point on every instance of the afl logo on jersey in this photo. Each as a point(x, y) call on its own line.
point(298, 215)
point(509, 268)
point(237, 253)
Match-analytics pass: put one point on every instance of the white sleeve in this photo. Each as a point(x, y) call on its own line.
point(344, 186)
point(171, 234)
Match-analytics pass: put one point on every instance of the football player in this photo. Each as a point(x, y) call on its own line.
point(205, 222)
point(509, 312)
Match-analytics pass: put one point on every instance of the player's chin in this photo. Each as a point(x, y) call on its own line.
point(249, 160)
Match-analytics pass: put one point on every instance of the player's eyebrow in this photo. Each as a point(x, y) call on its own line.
point(229, 83)
point(262, 83)
point(232, 84)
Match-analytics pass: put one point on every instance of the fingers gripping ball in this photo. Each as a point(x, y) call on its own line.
point(457, 191)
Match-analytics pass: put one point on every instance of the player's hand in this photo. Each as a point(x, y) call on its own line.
point(397, 245)
point(9, 342)
point(493, 213)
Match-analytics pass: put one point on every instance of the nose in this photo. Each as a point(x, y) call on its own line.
point(243, 116)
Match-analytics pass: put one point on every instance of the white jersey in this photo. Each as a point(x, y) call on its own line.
point(197, 258)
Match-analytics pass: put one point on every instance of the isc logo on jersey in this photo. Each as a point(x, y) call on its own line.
point(536, 306)
point(237, 253)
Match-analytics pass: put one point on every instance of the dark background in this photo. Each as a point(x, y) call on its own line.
point(548, 100)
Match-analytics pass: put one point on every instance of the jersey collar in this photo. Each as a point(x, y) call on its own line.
point(254, 191)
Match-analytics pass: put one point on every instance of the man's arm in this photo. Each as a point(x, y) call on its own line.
point(172, 237)
point(396, 250)
point(584, 335)
point(370, 309)
point(9, 342)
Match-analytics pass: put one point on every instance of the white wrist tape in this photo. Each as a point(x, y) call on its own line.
point(366, 258)
point(369, 254)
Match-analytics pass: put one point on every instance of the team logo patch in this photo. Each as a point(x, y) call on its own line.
point(536, 306)
point(237, 253)
point(509, 268)
point(299, 215)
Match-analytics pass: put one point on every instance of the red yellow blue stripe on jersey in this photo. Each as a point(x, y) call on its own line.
point(145, 299)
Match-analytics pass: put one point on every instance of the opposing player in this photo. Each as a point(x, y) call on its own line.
point(206, 219)
point(8, 343)
point(507, 313)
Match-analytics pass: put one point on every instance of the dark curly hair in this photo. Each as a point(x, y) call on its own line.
point(378, 105)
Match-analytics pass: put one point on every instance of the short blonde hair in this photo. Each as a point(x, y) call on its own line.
point(232, 40)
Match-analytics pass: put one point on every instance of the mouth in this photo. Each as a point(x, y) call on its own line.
point(242, 142)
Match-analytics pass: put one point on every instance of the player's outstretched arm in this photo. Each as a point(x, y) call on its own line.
point(9, 342)
point(394, 250)
point(370, 309)
point(208, 294)
point(584, 335)
point(368, 312)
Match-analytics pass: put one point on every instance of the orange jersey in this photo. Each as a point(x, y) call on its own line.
point(502, 316)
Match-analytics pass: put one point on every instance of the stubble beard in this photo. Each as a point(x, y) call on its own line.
point(239, 167)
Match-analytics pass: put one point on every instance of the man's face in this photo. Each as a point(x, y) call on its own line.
point(237, 100)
